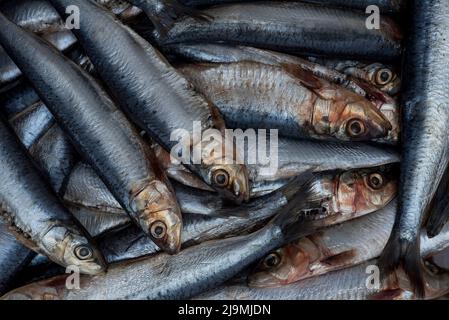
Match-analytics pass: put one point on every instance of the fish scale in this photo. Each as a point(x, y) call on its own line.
point(322, 31)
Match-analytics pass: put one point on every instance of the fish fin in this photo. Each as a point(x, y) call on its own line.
point(402, 253)
point(307, 78)
point(439, 210)
point(171, 12)
point(290, 217)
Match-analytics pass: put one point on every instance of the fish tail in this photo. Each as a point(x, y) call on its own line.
point(402, 253)
point(291, 216)
point(436, 222)
point(165, 19)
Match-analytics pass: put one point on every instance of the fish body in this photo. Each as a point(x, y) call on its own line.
point(299, 105)
point(37, 217)
point(204, 266)
point(155, 96)
point(292, 27)
point(14, 256)
point(424, 152)
point(389, 6)
point(100, 132)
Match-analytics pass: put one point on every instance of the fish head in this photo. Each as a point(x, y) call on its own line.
point(229, 180)
point(383, 78)
point(360, 120)
point(284, 266)
point(72, 250)
point(158, 214)
point(365, 190)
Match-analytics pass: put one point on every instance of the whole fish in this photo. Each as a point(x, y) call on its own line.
point(298, 104)
point(292, 27)
point(157, 97)
point(205, 266)
point(36, 216)
point(220, 53)
point(344, 196)
point(346, 284)
point(382, 76)
point(14, 256)
point(389, 6)
point(425, 153)
point(332, 249)
point(100, 132)
point(163, 13)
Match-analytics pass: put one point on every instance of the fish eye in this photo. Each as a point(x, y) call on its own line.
point(83, 252)
point(375, 181)
point(272, 260)
point(158, 229)
point(384, 76)
point(355, 128)
point(220, 178)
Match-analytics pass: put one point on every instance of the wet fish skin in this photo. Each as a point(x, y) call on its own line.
point(100, 132)
point(147, 85)
point(246, 23)
point(425, 153)
point(331, 249)
point(163, 13)
point(389, 6)
point(298, 104)
point(14, 256)
point(220, 53)
point(37, 217)
point(212, 263)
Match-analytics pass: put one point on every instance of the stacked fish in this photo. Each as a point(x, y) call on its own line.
point(99, 202)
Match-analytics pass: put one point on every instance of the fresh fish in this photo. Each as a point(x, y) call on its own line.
point(205, 266)
point(36, 215)
point(163, 13)
point(14, 256)
point(156, 96)
point(16, 100)
point(383, 77)
point(298, 104)
point(346, 284)
point(292, 27)
point(220, 53)
point(389, 6)
point(341, 246)
point(425, 153)
point(345, 195)
point(439, 210)
point(100, 132)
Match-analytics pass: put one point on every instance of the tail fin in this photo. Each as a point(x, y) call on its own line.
point(402, 253)
point(172, 10)
point(291, 216)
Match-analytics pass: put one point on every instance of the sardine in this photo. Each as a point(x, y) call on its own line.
point(344, 196)
point(425, 153)
point(298, 104)
point(337, 247)
point(388, 6)
point(101, 134)
point(14, 256)
point(204, 266)
point(38, 218)
point(346, 284)
point(292, 27)
point(156, 96)
point(220, 53)
point(382, 76)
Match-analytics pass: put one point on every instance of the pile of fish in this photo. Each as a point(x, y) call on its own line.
point(100, 199)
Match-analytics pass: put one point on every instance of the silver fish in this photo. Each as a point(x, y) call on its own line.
point(100, 132)
point(291, 27)
point(425, 153)
point(37, 216)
